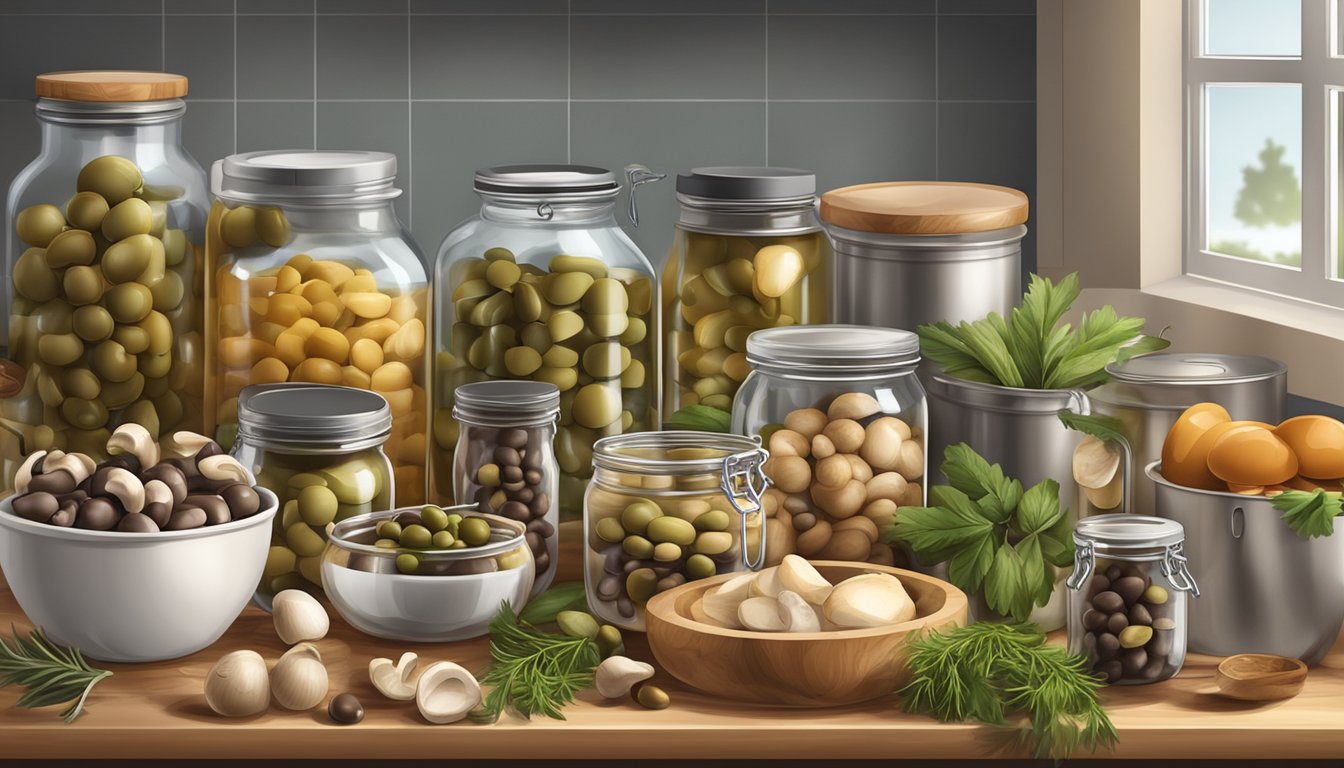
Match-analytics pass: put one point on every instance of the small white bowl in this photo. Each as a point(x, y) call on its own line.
point(134, 597)
point(363, 584)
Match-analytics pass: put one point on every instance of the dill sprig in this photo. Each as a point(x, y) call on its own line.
point(985, 671)
point(51, 673)
point(535, 672)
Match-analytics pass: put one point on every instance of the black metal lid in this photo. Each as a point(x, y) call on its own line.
point(747, 183)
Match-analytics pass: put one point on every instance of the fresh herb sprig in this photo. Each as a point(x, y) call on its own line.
point(565, 596)
point(1106, 428)
point(535, 672)
point(51, 673)
point(990, 532)
point(701, 418)
point(1310, 514)
point(985, 672)
point(1032, 349)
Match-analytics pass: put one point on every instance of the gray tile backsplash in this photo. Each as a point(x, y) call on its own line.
point(856, 90)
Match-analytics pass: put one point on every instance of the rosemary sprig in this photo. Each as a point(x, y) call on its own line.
point(985, 671)
point(51, 673)
point(535, 672)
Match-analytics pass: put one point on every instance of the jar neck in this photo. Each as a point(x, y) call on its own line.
point(89, 138)
point(370, 218)
point(539, 210)
point(796, 372)
point(796, 216)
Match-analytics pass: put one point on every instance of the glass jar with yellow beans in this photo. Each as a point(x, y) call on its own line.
point(313, 279)
point(544, 285)
point(748, 253)
point(319, 448)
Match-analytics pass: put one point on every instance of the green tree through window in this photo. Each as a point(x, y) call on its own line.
point(1270, 196)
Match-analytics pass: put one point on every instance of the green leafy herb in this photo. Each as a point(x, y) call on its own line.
point(535, 672)
point(985, 672)
point(542, 609)
point(53, 674)
point(993, 535)
point(1311, 514)
point(701, 418)
point(1033, 350)
point(1101, 427)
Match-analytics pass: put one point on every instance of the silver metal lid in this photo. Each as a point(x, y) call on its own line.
point(1118, 534)
point(813, 348)
point(741, 183)
point(71, 112)
point(312, 177)
point(506, 402)
point(549, 182)
point(1195, 368)
point(312, 416)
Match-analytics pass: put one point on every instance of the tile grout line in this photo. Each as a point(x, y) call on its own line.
point(767, 82)
point(314, 75)
point(235, 77)
point(569, 81)
point(937, 171)
point(410, 130)
point(163, 35)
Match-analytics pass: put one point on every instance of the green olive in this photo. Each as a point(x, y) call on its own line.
point(174, 246)
point(521, 361)
point(498, 254)
point(713, 520)
point(609, 530)
point(132, 338)
point(636, 516)
point(168, 292)
point(633, 376)
point(597, 405)
point(73, 246)
point(127, 259)
point(33, 279)
point(84, 414)
point(386, 544)
point(389, 529)
point(527, 303)
point(48, 391)
point(272, 227)
point(560, 357)
point(54, 316)
point(304, 540)
point(564, 379)
point(416, 537)
point(637, 547)
point(609, 640)
point(59, 349)
point(666, 552)
point(564, 325)
point(155, 366)
point(83, 285)
point(640, 292)
point(652, 697)
point(38, 225)
point(81, 382)
point(536, 336)
point(567, 287)
point(699, 567)
point(123, 393)
point(577, 624)
point(93, 323)
point(408, 563)
point(238, 227)
point(129, 217)
point(129, 302)
point(606, 297)
point(641, 584)
point(434, 518)
point(503, 274)
point(443, 540)
point(86, 211)
point(317, 505)
point(113, 177)
point(608, 326)
point(635, 331)
point(146, 414)
point(111, 362)
point(279, 561)
point(593, 267)
point(160, 332)
point(475, 531)
point(671, 529)
point(605, 360)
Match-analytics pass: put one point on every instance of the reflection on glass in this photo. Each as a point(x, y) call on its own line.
point(1253, 27)
point(1253, 187)
point(1337, 106)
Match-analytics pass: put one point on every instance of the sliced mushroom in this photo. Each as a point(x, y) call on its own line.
point(394, 680)
point(126, 487)
point(134, 439)
point(446, 693)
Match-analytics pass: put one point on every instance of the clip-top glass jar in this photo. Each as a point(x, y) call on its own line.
point(665, 508)
point(543, 285)
point(748, 253)
point(103, 272)
point(319, 448)
point(505, 461)
point(314, 279)
point(1127, 610)
point(821, 392)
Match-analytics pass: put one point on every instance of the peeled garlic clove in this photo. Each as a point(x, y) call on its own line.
point(760, 614)
point(298, 617)
point(1096, 462)
point(766, 583)
point(616, 675)
point(869, 600)
point(796, 614)
point(853, 405)
point(446, 693)
point(299, 680)
point(394, 680)
point(237, 685)
point(720, 603)
point(798, 575)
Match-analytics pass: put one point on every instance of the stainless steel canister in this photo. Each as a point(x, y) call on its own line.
point(1148, 393)
point(1263, 588)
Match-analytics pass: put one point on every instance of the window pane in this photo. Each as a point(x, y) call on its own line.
point(1337, 178)
point(1253, 27)
point(1253, 180)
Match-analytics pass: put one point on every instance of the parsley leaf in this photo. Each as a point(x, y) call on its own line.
point(1006, 588)
point(1311, 514)
point(1100, 427)
point(937, 533)
point(1039, 508)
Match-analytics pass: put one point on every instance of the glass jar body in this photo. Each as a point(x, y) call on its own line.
point(358, 481)
point(329, 294)
point(512, 472)
point(1129, 620)
point(875, 421)
point(122, 343)
point(576, 312)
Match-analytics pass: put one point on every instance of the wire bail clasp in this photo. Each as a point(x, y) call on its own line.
point(1175, 567)
point(744, 482)
point(637, 175)
point(1084, 562)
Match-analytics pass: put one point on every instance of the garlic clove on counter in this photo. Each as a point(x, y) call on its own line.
point(299, 680)
point(616, 675)
point(446, 693)
point(298, 617)
point(238, 685)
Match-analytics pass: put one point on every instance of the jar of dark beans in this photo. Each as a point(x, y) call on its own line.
point(1127, 611)
point(505, 460)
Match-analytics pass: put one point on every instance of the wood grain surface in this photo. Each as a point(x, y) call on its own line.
point(111, 86)
point(924, 207)
point(158, 711)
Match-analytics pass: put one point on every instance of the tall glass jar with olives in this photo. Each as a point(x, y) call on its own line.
point(103, 263)
point(543, 285)
point(313, 279)
point(665, 508)
point(748, 253)
point(319, 448)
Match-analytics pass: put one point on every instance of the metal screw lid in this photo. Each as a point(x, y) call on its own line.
point(551, 182)
point(1195, 368)
point(506, 402)
point(1119, 534)
point(320, 416)
point(741, 183)
point(311, 177)
point(833, 348)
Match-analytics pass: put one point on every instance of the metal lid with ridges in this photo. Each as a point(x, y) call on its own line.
point(544, 179)
point(1120, 533)
point(313, 414)
point(506, 402)
point(1176, 368)
point(741, 183)
point(306, 175)
point(833, 347)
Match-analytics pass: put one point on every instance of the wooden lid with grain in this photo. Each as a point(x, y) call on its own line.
point(924, 207)
point(111, 85)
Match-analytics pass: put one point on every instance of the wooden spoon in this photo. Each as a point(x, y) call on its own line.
point(1261, 677)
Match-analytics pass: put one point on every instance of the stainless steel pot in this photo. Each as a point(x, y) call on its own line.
point(1263, 589)
point(1148, 393)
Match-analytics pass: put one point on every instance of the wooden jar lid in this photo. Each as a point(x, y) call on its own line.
point(111, 85)
point(924, 207)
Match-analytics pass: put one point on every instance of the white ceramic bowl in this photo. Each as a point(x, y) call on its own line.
point(134, 597)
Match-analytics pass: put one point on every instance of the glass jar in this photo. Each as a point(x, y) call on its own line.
point(103, 259)
point(319, 448)
point(313, 279)
point(665, 508)
point(505, 460)
point(1127, 610)
point(14, 445)
point(818, 392)
point(543, 285)
point(748, 253)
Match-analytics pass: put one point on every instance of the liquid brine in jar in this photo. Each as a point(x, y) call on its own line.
point(314, 280)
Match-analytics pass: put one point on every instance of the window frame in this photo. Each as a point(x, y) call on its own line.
point(1319, 72)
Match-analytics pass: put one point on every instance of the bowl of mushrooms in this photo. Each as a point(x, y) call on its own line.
point(149, 555)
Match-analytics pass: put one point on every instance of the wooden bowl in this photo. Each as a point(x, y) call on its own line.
point(1261, 677)
point(806, 669)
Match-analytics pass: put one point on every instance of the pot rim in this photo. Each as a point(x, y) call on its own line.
point(997, 397)
point(1154, 472)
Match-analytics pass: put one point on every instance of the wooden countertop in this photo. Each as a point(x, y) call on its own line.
point(158, 711)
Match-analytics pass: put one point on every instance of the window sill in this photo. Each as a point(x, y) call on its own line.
point(1207, 316)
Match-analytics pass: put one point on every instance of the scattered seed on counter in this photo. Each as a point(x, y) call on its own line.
point(345, 709)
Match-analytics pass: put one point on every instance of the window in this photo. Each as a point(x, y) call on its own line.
point(1264, 105)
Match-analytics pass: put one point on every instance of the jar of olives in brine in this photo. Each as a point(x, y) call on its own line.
point(319, 448)
point(544, 286)
point(505, 461)
point(748, 253)
point(314, 279)
point(103, 257)
point(665, 508)
point(1127, 592)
